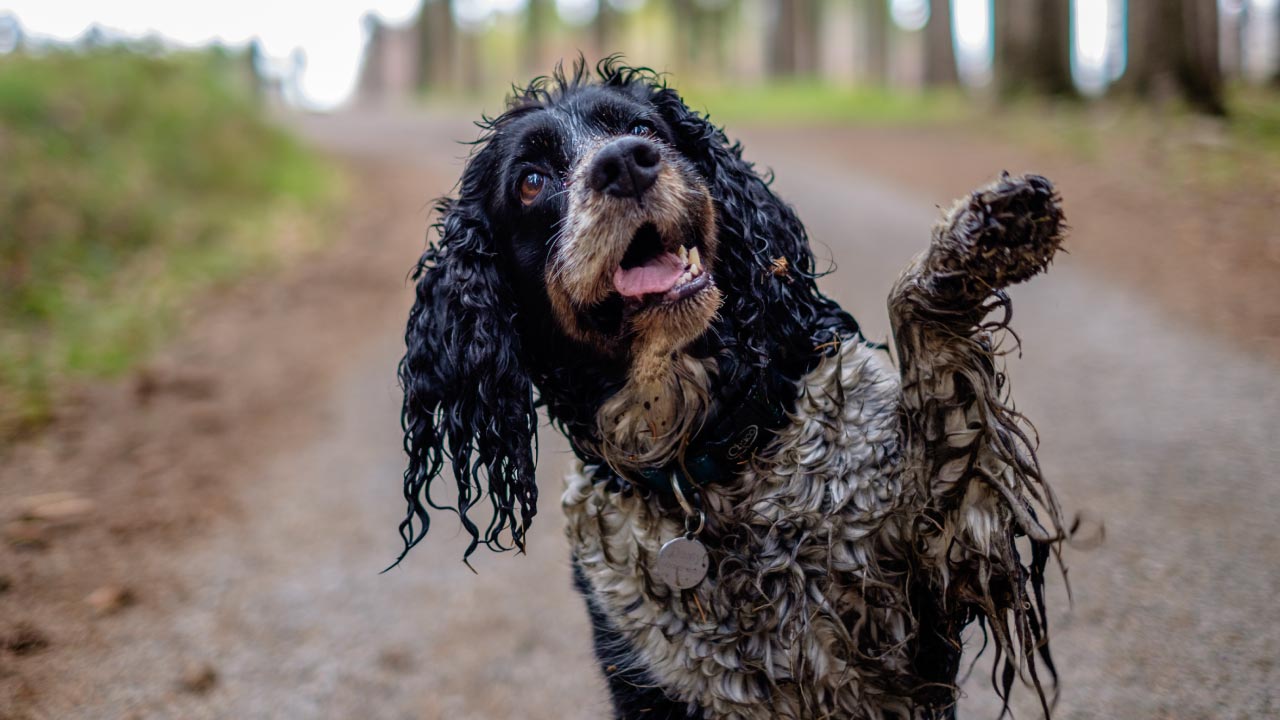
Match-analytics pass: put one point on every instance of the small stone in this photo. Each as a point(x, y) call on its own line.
point(55, 507)
point(25, 639)
point(110, 599)
point(199, 678)
point(26, 534)
point(397, 660)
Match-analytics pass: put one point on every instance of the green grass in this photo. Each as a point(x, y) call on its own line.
point(776, 103)
point(1238, 153)
point(131, 182)
point(1223, 155)
point(1255, 119)
point(804, 102)
point(1080, 127)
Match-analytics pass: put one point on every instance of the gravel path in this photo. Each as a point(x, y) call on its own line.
point(273, 607)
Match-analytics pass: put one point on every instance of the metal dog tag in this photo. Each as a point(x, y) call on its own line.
point(682, 563)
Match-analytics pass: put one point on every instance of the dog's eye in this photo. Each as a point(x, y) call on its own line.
point(531, 187)
point(641, 127)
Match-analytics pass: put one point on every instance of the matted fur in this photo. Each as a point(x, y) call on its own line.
point(817, 547)
point(893, 509)
point(794, 541)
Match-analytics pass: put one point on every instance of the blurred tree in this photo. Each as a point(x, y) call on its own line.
point(437, 36)
point(538, 19)
point(1173, 51)
point(700, 32)
point(683, 15)
point(793, 40)
point(604, 28)
point(1231, 23)
point(875, 41)
point(255, 59)
point(1033, 47)
point(11, 35)
point(471, 70)
point(939, 49)
point(808, 24)
point(781, 59)
point(1275, 38)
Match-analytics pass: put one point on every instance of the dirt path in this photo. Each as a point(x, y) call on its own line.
point(245, 492)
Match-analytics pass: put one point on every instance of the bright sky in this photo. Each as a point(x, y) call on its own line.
point(328, 31)
point(331, 35)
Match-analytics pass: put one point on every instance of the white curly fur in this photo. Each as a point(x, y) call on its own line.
point(767, 638)
point(885, 514)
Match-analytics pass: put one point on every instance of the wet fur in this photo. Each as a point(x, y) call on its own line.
point(893, 509)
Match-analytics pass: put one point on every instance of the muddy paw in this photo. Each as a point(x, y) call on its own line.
point(999, 235)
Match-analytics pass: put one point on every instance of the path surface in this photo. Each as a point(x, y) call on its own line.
point(1166, 438)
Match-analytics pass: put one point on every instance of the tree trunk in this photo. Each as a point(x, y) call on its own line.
point(782, 41)
point(537, 25)
point(685, 34)
point(1033, 47)
point(1201, 70)
point(604, 29)
point(808, 19)
point(1231, 49)
point(700, 32)
point(1053, 48)
point(1275, 69)
point(471, 62)
point(939, 50)
point(793, 44)
point(1173, 51)
point(875, 41)
point(1014, 25)
point(436, 40)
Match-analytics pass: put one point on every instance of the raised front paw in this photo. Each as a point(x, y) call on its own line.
point(999, 235)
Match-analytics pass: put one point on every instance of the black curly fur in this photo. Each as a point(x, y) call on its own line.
point(481, 344)
point(484, 351)
point(634, 693)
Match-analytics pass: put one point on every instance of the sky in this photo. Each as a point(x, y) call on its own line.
point(331, 34)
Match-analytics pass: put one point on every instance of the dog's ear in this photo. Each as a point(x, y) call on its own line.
point(765, 264)
point(467, 395)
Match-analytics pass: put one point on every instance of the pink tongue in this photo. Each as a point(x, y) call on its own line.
point(656, 276)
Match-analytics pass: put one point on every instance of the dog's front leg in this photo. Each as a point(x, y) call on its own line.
point(968, 457)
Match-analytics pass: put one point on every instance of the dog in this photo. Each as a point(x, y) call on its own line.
point(767, 519)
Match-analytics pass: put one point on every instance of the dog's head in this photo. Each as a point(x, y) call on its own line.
point(600, 228)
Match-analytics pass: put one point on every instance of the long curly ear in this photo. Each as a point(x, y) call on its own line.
point(467, 396)
point(766, 265)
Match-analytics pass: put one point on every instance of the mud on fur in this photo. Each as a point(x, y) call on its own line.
point(885, 511)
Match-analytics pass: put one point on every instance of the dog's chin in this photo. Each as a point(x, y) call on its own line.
point(667, 290)
point(670, 323)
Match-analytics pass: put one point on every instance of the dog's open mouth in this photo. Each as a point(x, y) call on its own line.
point(651, 274)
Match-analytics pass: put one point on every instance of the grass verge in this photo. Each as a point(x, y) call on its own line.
point(132, 181)
point(810, 102)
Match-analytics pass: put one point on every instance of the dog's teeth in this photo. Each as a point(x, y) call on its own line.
point(683, 253)
point(695, 258)
point(695, 270)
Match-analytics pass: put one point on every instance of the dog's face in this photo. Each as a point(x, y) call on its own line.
point(598, 210)
point(600, 228)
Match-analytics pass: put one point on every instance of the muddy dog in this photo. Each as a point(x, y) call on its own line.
point(768, 518)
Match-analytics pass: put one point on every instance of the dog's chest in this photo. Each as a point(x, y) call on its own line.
point(782, 626)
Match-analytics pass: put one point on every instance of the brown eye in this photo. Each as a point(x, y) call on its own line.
point(531, 187)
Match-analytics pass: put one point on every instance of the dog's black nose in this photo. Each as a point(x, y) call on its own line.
point(625, 168)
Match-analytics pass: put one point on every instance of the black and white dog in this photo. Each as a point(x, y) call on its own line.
point(768, 520)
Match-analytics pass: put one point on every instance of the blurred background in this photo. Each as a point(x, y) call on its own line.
point(208, 213)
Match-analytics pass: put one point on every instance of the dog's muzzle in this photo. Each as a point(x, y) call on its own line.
point(625, 168)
